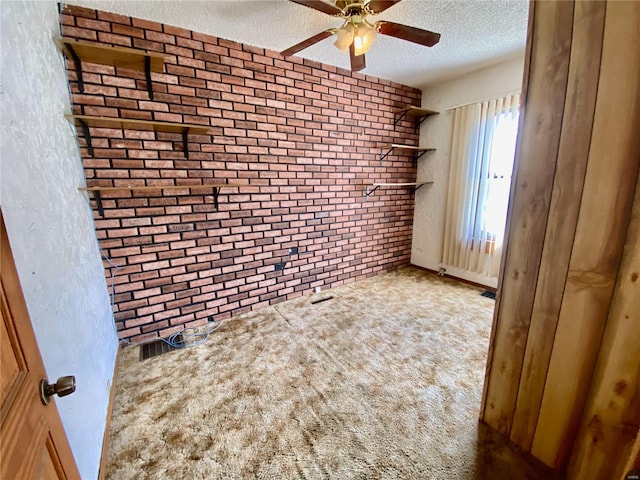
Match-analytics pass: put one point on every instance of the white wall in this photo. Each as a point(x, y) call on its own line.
point(436, 131)
point(50, 225)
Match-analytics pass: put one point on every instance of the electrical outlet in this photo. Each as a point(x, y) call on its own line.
point(280, 266)
point(318, 289)
point(293, 250)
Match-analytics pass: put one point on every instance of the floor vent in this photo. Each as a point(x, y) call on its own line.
point(154, 349)
point(489, 294)
point(320, 300)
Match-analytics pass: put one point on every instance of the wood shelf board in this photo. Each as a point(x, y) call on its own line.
point(130, 124)
point(406, 184)
point(417, 111)
point(114, 56)
point(407, 147)
point(160, 187)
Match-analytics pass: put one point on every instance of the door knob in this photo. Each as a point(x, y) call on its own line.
point(63, 387)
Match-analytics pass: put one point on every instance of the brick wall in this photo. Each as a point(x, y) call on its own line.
point(303, 136)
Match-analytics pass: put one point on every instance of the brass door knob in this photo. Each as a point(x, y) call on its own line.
point(63, 387)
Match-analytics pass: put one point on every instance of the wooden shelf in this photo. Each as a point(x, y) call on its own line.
point(406, 184)
point(377, 185)
point(160, 187)
point(412, 111)
point(406, 147)
point(129, 124)
point(131, 58)
point(214, 186)
point(82, 51)
point(417, 111)
point(396, 146)
point(385, 150)
point(86, 121)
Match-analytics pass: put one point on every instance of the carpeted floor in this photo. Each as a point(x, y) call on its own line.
point(382, 381)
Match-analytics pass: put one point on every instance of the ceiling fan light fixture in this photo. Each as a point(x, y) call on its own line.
point(345, 37)
point(363, 38)
point(356, 35)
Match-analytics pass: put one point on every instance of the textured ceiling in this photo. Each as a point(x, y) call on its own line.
point(475, 33)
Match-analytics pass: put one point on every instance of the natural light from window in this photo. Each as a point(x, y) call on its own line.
point(503, 148)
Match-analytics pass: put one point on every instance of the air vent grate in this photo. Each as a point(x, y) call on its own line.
point(157, 348)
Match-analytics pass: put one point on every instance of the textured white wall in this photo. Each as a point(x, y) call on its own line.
point(436, 131)
point(50, 226)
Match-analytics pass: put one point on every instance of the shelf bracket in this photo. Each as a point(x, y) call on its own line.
point(78, 65)
point(420, 154)
point(98, 197)
point(147, 73)
point(185, 141)
point(416, 188)
point(423, 118)
point(216, 193)
point(382, 157)
point(371, 190)
point(87, 135)
point(397, 117)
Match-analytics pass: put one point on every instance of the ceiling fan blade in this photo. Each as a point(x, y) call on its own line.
point(357, 62)
point(411, 34)
point(377, 6)
point(307, 43)
point(318, 5)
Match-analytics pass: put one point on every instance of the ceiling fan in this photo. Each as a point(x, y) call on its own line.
point(356, 34)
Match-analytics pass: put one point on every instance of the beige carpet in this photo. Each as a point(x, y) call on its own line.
point(382, 381)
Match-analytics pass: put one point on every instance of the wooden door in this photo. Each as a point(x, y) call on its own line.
point(33, 444)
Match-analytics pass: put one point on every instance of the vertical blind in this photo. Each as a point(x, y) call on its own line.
point(482, 150)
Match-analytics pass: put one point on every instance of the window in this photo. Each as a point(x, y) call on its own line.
point(482, 151)
point(503, 148)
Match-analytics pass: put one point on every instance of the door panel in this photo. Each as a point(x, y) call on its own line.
point(10, 368)
point(33, 444)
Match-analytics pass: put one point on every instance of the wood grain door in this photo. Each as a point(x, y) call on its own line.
point(33, 444)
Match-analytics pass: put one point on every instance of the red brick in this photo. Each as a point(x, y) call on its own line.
point(177, 31)
point(148, 45)
point(100, 90)
point(120, 40)
point(126, 30)
point(192, 44)
point(114, 18)
point(91, 24)
point(147, 24)
point(136, 114)
point(130, 334)
point(66, 19)
point(81, 33)
point(118, 81)
point(160, 37)
point(80, 12)
point(123, 232)
point(302, 133)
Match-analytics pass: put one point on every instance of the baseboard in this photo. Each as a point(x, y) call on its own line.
point(102, 472)
point(468, 282)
